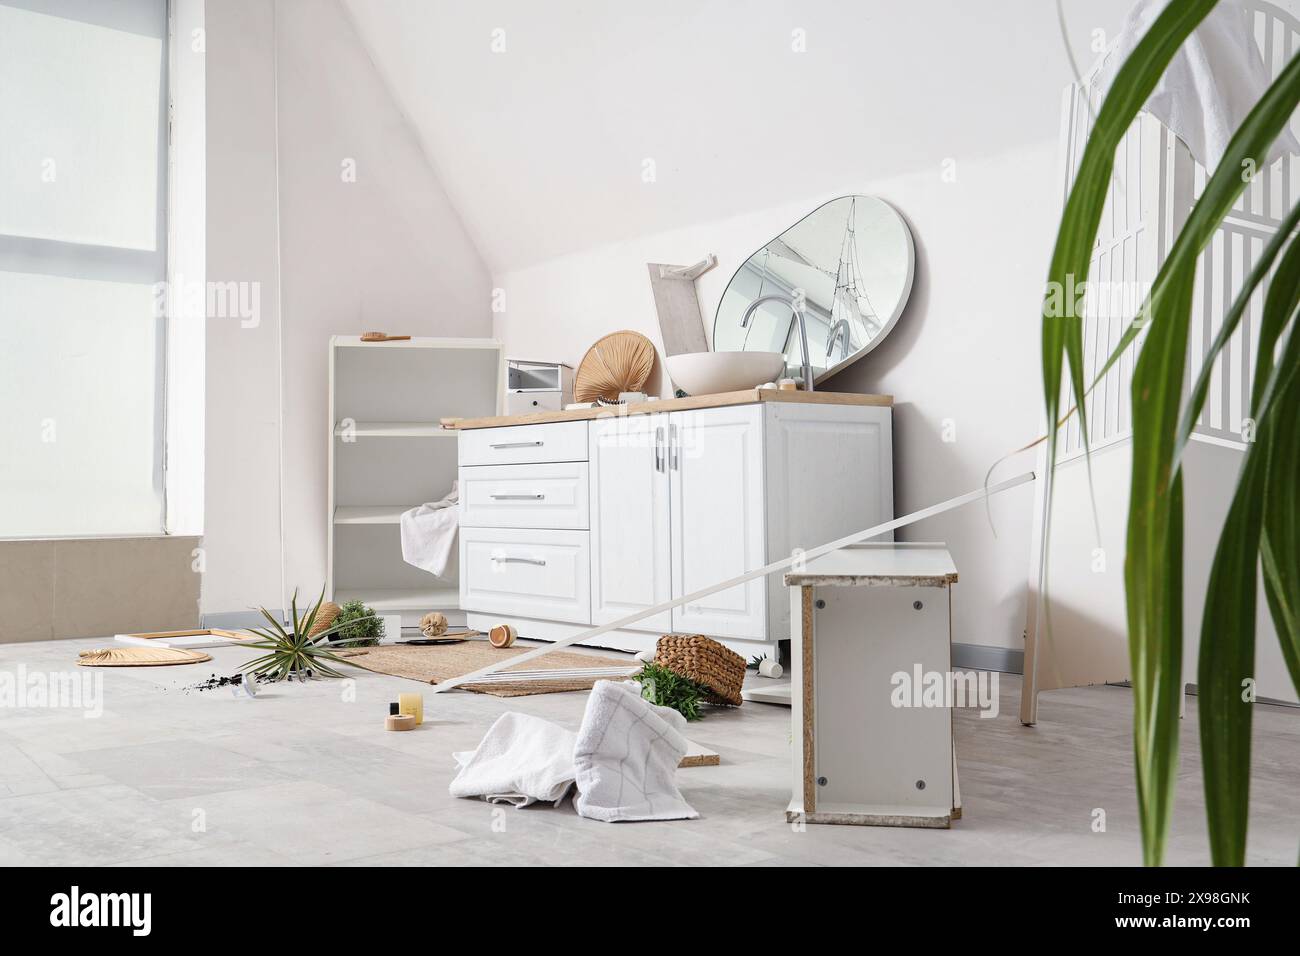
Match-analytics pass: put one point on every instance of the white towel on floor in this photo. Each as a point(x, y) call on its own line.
point(521, 760)
point(626, 757)
point(429, 533)
point(1211, 84)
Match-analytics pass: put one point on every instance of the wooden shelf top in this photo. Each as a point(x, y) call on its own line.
point(749, 396)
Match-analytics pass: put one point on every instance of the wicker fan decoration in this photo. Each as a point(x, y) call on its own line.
point(140, 656)
point(325, 618)
point(619, 362)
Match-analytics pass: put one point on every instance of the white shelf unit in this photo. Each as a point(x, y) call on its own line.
point(388, 453)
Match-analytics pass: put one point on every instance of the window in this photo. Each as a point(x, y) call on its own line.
point(83, 250)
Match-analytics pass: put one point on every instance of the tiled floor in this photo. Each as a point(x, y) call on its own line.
point(307, 774)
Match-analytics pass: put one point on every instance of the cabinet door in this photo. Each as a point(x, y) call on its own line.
point(716, 472)
point(630, 556)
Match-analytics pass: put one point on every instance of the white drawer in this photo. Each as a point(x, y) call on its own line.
point(518, 444)
point(541, 574)
point(549, 495)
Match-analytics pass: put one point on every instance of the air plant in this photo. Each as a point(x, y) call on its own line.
point(1261, 527)
point(297, 649)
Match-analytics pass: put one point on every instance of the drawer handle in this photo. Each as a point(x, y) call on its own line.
point(517, 497)
point(518, 444)
point(659, 448)
point(509, 560)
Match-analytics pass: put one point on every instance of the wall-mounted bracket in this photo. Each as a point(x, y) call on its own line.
point(688, 273)
point(680, 320)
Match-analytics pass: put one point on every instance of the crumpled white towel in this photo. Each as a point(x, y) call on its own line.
point(521, 760)
point(429, 533)
point(1211, 83)
point(626, 757)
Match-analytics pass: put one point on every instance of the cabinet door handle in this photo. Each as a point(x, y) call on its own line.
point(659, 448)
point(517, 444)
point(517, 497)
point(673, 460)
point(507, 559)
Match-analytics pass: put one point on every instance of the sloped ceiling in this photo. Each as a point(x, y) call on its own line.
point(543, 147)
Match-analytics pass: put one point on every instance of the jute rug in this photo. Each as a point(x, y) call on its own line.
point(437, 663)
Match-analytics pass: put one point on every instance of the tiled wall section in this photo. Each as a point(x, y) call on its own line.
point(96, 587)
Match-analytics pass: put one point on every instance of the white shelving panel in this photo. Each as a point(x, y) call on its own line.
point(370, 514)
point(389, 600)
point(388, 454)
point(393, 430)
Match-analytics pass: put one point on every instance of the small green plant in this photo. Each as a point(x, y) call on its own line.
point(296, 650)
point(755, 662)
point(661, 686)
point(357, 626)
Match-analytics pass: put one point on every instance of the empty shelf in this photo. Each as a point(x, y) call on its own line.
point(370, 514)
point(396, 430)
point(401, 599)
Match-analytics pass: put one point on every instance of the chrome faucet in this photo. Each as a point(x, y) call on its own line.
point(796, 315)
point(842, 326)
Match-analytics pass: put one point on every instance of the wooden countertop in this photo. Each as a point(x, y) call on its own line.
point(884, 563)
point(747, 397)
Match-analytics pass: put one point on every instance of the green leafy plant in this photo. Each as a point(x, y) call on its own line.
point(661, 686)
point(755, 662)
point(1261, 527)
point(295, 650)
point(357, 626)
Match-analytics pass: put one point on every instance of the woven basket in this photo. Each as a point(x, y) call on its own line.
point(706, 662)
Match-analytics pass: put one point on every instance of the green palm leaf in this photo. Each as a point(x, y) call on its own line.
point(1071, 257)
point(1280, 541)
point(1153, 560)
point(1153, 563)
point(1228, 647)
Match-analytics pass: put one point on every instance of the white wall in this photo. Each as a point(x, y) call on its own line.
point(541, 116)
point(385, 251)
point(241, 538)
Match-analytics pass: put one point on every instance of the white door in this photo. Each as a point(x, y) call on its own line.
point(716, 474)
point(630, 555)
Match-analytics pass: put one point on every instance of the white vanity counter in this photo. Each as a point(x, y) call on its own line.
point(570, 519)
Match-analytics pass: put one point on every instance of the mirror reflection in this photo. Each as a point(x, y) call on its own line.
point(846, 267)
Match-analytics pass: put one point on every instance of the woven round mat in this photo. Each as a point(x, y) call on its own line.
point(435, 664)
point(140, 656)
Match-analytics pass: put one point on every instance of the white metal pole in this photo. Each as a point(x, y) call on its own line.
point(772, 568)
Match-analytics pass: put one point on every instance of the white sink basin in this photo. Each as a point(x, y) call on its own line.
point(708, 373)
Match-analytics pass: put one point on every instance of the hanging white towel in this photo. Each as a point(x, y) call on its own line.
point(429, 533)
point(626, 757)
point(1211, 84)
point(521, 760)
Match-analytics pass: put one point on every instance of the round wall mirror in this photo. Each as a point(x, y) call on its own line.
point(846, 267)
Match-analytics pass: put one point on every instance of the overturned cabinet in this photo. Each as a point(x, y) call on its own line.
point(870, 626)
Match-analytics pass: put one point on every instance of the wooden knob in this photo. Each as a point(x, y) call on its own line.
point(503, 635)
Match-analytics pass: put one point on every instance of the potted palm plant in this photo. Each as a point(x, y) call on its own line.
point(1261, 530)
